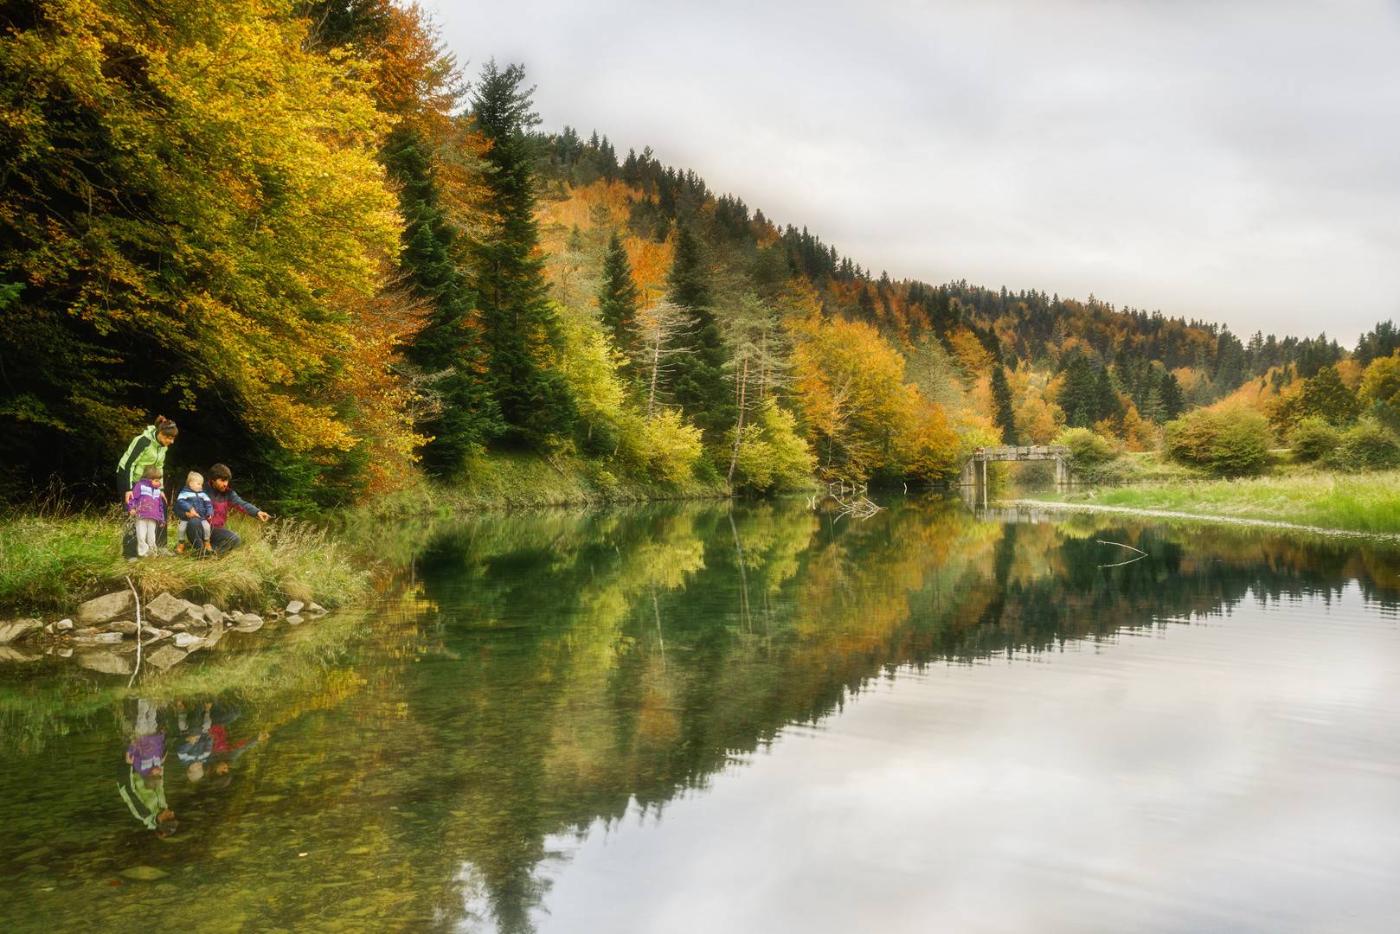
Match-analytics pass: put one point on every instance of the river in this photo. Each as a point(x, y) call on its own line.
point(695, 718)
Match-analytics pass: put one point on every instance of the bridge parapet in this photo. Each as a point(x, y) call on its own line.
point(1058, 453)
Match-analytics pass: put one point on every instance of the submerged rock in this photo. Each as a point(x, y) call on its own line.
point(108, 607)
point(98, 638)
point(249, 622)
point(108, 663)
point(185, 640)
point(294, 619)
point(9, 653)
point(166, 657)
point(124, 626)
point(144, 873)
point(213, 614)
point(18, 629)
point(315, 609)
point(167, 609)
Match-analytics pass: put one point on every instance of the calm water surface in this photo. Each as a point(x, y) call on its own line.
point(696, 719)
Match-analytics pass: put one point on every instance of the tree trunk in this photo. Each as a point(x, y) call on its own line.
point(739, 422)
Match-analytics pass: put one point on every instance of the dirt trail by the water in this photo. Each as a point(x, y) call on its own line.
point(1202, 517)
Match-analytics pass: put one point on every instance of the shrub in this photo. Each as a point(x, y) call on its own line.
point(1367, 446)
point(1313, 439)
point(1229, 442)
point(1086, 448)
point(773, 455)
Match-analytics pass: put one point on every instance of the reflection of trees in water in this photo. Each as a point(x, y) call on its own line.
point(768, 622)
point(561, 666)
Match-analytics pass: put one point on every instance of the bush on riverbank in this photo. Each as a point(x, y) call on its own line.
point(1313, 439)
point(1368, 445)
point(49, 564)
point(1227, 442)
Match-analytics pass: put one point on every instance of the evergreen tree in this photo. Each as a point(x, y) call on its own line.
point(697, 381)
point(448, 348)
point(1326, 396)
point(1172, 401)
point(1001, 405)
point(520, 327)
point(618, 298)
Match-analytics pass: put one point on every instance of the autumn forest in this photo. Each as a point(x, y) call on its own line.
point(335, 257)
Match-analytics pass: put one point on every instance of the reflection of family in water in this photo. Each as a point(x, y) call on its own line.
point(203, 746)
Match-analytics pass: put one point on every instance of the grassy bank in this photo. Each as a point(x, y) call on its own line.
point(49, 563)
point(1368, 502)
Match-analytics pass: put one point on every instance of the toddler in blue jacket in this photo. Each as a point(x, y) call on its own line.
point(195, 509)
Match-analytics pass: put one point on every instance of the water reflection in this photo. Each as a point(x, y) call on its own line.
point(536, 684)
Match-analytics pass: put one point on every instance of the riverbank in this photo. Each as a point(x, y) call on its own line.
point(1303, 498)
point(52, 561)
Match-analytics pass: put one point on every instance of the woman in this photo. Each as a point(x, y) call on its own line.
point(145, 450)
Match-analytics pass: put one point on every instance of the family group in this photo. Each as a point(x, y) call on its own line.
point(202, 513)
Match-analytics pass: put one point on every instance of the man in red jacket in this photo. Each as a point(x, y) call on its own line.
point(223, 497)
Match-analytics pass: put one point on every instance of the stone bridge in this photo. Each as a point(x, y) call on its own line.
point(1058, 453)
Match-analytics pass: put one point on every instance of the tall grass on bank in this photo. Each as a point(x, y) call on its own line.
point(49, 563)
point(1358, 502)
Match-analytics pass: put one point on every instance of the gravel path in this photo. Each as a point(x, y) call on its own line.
point(1202, 517)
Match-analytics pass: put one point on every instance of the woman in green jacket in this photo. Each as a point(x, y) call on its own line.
point(145, 450)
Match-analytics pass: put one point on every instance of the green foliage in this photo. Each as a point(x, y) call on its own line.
point(1229, 442)
point(618, 298)
point(666, 446)
point(772, 456)
point(520, 330)
point(1003, 414)
point(1088, 396)
point(1367, 445)
point(697, 381)
point(1087, 448)
point(1313, 438)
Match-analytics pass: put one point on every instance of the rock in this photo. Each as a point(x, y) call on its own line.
point(315, 609)
point(213, 614)
point(295, 619)
point(144, 873)
point(85, 632)
point(9, 653)
point(100, 638)
point(294, 607)
point(213, 637)
point(63, 625)
point(62, 651)
point(185, 640)
point(179, 627)
point(124, 626)
point(109, 607)
point(166, 609)
point(109, 663)
point(249, 622)
point(18, 629)
point(166, 657)
point(195, 615)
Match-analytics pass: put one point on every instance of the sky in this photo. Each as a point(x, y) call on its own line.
point(1229, 161)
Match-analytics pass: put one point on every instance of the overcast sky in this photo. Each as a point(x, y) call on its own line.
point(1233, 161)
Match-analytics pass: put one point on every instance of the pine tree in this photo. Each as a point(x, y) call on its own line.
point(449, 348)
point(1172, 401)
point(618, 298)
point(519, 322)
point(697, 381)
point(1001, 405)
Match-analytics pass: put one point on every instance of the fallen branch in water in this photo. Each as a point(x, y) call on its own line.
point(1140, 553)
point(137, 670)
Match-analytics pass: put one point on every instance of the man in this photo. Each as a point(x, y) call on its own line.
point(222, 494)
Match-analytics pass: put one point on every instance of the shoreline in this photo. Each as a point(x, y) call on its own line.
point(1216, 519)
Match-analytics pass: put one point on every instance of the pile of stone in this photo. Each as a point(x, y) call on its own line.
point(102, 634)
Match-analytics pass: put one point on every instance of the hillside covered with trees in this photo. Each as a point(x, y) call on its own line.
point(296, 228)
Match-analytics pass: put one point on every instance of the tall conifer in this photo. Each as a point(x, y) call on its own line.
point(618, 298)
point(1001, 404)
point(519, 322)
point(698, 384)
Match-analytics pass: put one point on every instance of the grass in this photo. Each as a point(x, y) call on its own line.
point(1364, 502)
point(51, 563)
point(53, 560)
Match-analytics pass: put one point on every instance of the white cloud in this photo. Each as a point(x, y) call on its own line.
point(1231, 161)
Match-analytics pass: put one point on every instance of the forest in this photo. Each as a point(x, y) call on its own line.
point(304, 232)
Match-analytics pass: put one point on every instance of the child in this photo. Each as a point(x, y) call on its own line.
point(147, 506)
point(195, 509)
